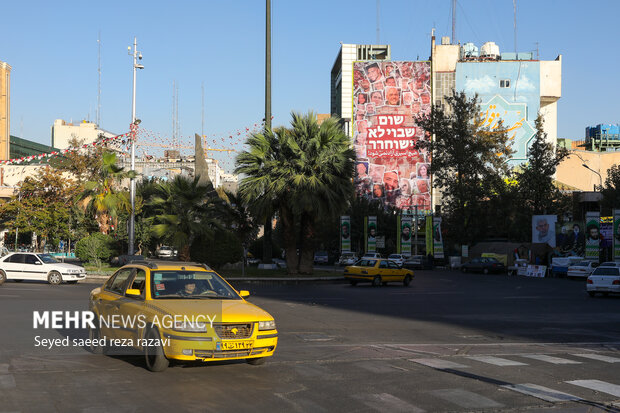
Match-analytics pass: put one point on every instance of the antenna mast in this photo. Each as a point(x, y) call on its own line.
point(99, 80)
point(453, 21)
point(514, 5)
point(202, 131)
point(378, 21)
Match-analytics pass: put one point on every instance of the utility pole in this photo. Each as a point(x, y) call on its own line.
point(453, 21)
point(267, 232)
point(416, 230)
point(134, 123)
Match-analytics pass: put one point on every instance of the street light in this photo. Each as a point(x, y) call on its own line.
point(599, 176)
point(134, 123)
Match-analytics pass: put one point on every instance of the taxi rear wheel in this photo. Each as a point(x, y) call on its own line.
point(154, 355)
point(94, 335)
point(256, 361)
point(376, 282)
point(407, 280)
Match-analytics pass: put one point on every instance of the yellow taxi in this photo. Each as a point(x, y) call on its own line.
point(378, 272)
point(178, 311)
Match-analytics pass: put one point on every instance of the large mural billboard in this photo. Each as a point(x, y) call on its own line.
point(387, 96)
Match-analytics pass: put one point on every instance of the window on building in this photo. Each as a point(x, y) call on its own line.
point(504, 83)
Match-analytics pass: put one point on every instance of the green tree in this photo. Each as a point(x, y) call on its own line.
point(185, 210)
point(468, 160)
point(306, 173)
point(538, 193)
point(611, 189)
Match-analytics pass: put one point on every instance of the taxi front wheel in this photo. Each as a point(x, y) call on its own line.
point(376, 282)
point(407, 280)
point(154, 355)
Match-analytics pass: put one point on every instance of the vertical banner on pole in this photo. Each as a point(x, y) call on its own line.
point(437, 240)
point(616, 234)
point(405, 234)
point(398, 232)
point(429, 234)
point(345, 233)
point(593, 235)
point(372, 234)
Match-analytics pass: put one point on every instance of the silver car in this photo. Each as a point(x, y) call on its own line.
point(581, 269)
point(604, 280)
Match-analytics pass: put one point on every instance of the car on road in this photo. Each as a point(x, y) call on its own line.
point(416, 262)
point(166, 252)
point(484, 265)
point(21, 266)
point(397, 258)
point(321, 257)
point(189, 313)
point(347, 258)
point(604, 280)
point(610, 264)
point(377, 272)
point(581, 269)
point(371, 255)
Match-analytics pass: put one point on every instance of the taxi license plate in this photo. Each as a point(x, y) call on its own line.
point(236, 345)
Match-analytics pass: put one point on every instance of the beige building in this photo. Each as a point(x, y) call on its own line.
point(572, 173)
point(5, 109)
point(63, 132)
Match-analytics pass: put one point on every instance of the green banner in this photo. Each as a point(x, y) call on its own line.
point(345, 233)
point(404, 233)
point(437, 239)
point(593, 235)
point(371, 240)
point(429, 234)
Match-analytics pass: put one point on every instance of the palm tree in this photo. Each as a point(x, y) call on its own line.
point(184, 211)
point(102, 196)
point(305, 172)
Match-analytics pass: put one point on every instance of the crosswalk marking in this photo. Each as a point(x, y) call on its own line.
point(498, 361)
point(599, 357)
point(598, 385)
point(541, 392)
point(385, 402)
point(464, 398)
point(439, 363)
point(550, 359)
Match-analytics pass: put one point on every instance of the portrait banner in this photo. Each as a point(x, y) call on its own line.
point(371, 240)
point(616, 234)
point(387, 98)
point(437, 238)
point(593, 235)
point(345, 233)
point(543, 229)
point(405, 232)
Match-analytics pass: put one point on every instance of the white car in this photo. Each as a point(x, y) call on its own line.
point(581, 269)
point(166, 252)
point(604, 280)
point(397, 258)
point(347, 258)
point(32, 266)
point(371, 256)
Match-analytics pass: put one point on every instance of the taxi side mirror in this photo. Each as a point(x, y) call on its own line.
point(133, 292)
point(244, 293)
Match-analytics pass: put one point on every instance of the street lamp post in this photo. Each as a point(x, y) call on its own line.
point(132, 189)
point(599, 177)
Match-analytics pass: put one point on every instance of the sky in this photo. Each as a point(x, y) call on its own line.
point(52, 48)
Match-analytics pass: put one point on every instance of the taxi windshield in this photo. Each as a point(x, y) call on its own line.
point(190, 284)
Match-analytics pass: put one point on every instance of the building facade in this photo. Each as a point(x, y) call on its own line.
point(63, 132)
point(5, 110)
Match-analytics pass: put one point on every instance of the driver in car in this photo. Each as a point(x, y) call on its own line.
point(189, 288)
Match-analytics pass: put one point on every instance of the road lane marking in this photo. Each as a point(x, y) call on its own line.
point(550, 359)
point(7, 381)
point(497, 361)
point(464, 398)
point(541, 392)
point(598, 385)
point(385, 402)
point(598, 357)
point(439, 363)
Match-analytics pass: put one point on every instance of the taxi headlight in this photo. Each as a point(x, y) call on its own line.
point(190, 327)
point(267, 325)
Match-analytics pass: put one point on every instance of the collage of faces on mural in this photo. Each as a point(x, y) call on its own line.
point(387, 96)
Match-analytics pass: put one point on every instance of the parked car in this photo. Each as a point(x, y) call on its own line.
point(166, 252)
point(347, 258)
point(20, 266)
point(604, 280)
point(484, 265)
point(188, 294)
point(371, 255)
point(321, 257)
point(251, 259)
point(377, 272)
point(397, 258)
point(416, 262)
point(610, 264)
point(582, 269)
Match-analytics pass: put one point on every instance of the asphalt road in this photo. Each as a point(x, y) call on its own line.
point(451, 342)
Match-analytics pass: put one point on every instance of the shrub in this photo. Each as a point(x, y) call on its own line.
point(95, 248)
point(224, 248)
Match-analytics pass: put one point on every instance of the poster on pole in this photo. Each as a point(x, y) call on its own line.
point(616, 234)
point(405, 234)
point(345, 233)
point(371, 241)
point(543, 229)
point(428, 234)
point(593, 235)
point(437, 238)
